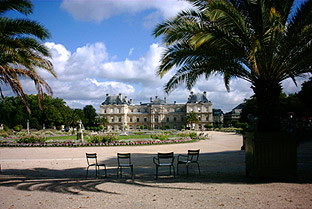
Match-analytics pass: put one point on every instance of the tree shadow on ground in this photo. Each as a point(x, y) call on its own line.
point(221, 167)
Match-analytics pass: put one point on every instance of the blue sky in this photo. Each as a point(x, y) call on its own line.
point(102, 46)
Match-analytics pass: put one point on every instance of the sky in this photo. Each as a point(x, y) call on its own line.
point(102, 46)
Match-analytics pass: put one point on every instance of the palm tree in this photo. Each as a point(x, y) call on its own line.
point(191, 118)
point(21, 52)
point(262, 42)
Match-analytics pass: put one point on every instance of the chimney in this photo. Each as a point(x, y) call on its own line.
point(120, 96)
point(165, 99)
point(192, 93)
point(126, 99)
point(205, 94)
point(107, 95)
point(175, 102)
point(131, 101)
point(156, 97)
point(151, 99)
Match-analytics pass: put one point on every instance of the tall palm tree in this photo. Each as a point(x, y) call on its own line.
point(191, 118)
point(260, 41)
point(21, 50)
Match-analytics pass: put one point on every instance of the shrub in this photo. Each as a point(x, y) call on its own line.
point(208, 126)
point(193, 134)
point(106, 138)
point(101, 127)
point(6, 128)
point(182, 126)
point(18, 128)
point(184, 135)
point(30, 139)
point(161, 137)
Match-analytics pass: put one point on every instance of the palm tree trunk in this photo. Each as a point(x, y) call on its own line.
point(267, 93)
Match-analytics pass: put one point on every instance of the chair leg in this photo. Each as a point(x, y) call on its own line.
point(132, 176)
point(120, 172)
point(105, 171)
point(156, 172)
point(87, 172)
point(187, 169)
point(198, 168)
point(173, 171)
point(178, 169)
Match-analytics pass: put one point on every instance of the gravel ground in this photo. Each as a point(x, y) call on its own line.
point(54, 178)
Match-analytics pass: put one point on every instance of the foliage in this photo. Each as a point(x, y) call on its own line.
point(18, 128)
point(262, 42)
point(105, 138)
point(193, 134)
point(191, 118)
point(161, 137)
point(21, 50)
point(208, 126)
point(54, 113)
point(89, 115)
point(31, 139)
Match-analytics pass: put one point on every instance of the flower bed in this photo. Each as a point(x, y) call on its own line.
point(82, 144)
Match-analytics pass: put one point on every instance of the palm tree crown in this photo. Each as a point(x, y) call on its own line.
point(261, 42)
point(21, 52)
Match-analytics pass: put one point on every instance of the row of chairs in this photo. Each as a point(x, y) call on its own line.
point(162, 160)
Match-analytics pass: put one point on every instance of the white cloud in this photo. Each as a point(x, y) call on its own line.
point(98, 10)
point(88, 74)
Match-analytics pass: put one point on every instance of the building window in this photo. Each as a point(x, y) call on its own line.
point(130, 119)
point(130, 127)
point(112, 110)
point(174, 119)
point(131, 110)
point(199, 109)
point(145, 119)
point(119, 110)
point(138, 119)
point(182, 118)
point(156, 126)
point(104, 110)
point(199, 118)
point(119, 119)
point(207, 118)
point(191, 109)
point(138, 127)
point(167, 119)
point(139, 110)
point(156, 118)
point(112, 119)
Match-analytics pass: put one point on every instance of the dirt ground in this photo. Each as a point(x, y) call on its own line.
point(55, 178)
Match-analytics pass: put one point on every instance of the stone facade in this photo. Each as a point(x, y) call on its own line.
point(121, 113)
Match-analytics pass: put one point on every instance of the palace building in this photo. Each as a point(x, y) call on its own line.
point(122, 114)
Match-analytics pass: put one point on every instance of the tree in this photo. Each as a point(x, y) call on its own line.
point(262, 42)
point(89, 115)
point(191, 118)
point(21, 52)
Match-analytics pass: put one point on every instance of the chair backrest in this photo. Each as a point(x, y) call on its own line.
point(166, 157)
point(193, 155)
point(91, 157)
point(124, 158)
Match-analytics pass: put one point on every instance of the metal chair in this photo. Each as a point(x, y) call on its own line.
point(191, 157)
point(124, 160)
point(164, 160)
point(92, 161)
